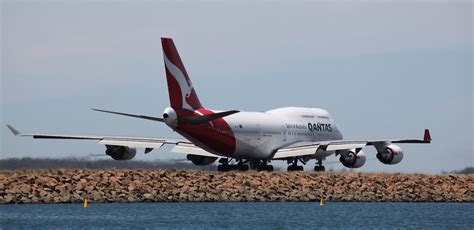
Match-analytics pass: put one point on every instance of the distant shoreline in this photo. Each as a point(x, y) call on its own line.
point(88, 163)
point(179, 185)
point(91, 163)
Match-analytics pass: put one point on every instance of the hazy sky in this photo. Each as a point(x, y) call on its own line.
point(383, 69)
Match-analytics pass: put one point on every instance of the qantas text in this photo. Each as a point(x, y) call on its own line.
point(319, 127)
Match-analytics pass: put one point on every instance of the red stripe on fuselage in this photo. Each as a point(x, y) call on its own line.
point(218, 136)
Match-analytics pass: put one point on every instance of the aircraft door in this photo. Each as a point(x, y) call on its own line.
point(314, 136)
point(258, 132)
point(284, 133)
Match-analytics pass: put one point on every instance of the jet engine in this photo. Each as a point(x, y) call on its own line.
point(121, 153)
point(201, 160)
point(392, 154)
point(353, 159)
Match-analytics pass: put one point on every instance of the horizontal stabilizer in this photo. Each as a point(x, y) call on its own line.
point(132, 115)
point(210, 117)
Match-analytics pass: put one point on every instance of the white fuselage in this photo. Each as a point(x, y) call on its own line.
point(258, 135)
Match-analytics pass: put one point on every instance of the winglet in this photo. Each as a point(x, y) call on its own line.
point(427, 136)
point(13, 130)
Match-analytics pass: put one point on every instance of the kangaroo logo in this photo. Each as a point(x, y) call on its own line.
point(184, 84)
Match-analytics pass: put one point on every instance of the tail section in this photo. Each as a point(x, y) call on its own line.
point(180, 89)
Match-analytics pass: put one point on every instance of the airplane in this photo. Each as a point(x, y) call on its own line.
point(242, 140)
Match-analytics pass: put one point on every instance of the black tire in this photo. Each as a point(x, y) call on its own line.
point(269, 168)
point(293, 168)
point(243, 167)
point(319, 168)
point(222, 168)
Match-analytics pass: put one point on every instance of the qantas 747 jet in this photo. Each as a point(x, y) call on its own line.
point(242, 140)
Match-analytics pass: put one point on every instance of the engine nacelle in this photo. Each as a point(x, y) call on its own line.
point(352, 159)
point(201, 160)
point(170, 117)
point(121, 153)
point(392, 154)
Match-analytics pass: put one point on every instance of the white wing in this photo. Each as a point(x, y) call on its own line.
point(190, 148)
point(309, 148)
point(182, 146)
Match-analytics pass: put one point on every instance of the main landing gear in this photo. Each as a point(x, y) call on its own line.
point(224, 165)
point(319, 167)
point(260, 165)
point(264, 166)
point(294, 166)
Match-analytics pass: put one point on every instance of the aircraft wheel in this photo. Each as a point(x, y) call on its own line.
point(292, 168)
point(243, 167)
point(318, 168)
point(268, 168)
point(223, 168)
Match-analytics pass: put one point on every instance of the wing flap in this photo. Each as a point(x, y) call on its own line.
point(189, 148)
point(342, 145)
point(297, 150)
point(136, 144)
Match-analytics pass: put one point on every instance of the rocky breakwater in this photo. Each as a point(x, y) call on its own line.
point(118, 185)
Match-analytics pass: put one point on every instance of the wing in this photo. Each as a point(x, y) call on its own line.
point(309, 148)
point(181, 146)
point(190, 148)
point(297, 150)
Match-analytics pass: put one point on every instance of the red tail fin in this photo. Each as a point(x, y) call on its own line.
point(180, 89)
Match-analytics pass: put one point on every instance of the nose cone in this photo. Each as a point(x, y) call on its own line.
point(171, 118)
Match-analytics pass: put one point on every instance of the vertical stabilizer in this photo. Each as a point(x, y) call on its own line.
point(180, 89)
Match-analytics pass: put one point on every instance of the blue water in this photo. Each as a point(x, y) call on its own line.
point(239, 215)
